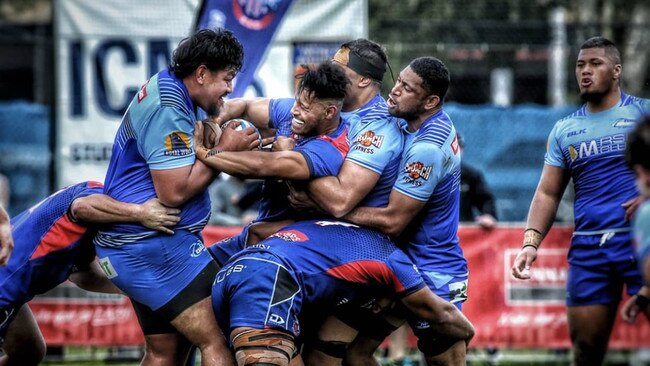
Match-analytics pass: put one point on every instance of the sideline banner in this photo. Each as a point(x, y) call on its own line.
point(506, 313)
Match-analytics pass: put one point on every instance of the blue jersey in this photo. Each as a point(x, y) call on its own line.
point(48, 244)
point(642, 232)
point(591, 146)
point(155, 134)
point(303, 266)
point(324, 155)
point(376, 143)
point(430, 172)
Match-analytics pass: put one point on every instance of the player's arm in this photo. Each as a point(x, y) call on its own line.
point(254, 110)
point(541, 214)
point(258, 164)
point(446, 319)
point(93, 279)
point(100, 209)
point(339, 194)
point(6, 239)
point(390, 220)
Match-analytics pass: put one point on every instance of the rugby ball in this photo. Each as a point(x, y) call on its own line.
point(243, 124)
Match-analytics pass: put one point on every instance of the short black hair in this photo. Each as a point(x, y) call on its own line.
point(217, 49)
point(637, 150)
point(434, 74)
point(325, 81)
point(601, 42)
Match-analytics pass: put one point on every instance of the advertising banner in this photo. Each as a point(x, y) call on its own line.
point(506, 312)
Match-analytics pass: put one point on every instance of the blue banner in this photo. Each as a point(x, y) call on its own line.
point(254, 22)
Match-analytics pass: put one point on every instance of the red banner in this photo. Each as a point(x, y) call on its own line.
point(506, 312)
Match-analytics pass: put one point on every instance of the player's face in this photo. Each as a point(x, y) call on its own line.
point(406, 99)
point(308, 115)
point(353, 88)
point(216, 85)
point(596, 74)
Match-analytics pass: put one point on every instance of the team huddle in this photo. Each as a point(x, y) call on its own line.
point(357, 227)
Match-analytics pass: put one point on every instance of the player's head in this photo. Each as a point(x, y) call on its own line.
point(363, 58)
point(319, 99)
point(207, 62)
point(598, 69)
point(420, 89)
point(637, 154)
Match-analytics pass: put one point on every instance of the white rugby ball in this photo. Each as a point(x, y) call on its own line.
point(244, 124)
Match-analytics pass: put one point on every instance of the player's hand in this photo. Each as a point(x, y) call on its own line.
point(198, 136)
point(631, 206)
point(486, 221)
point(6, 243)
point(523, 261)
point(300, 200)
point(283, 143)
point(242, 140)
point(159, 217)
point(630, 310)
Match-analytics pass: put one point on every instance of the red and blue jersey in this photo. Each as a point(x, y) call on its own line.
point(48, 244)
point(324, 155)
point(156, 133)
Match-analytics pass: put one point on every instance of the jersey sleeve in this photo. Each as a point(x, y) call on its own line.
point(167, 140)
point(374, 149)
point(553, 154)
point(421, 168)
point(280, 115)
point(322, 158)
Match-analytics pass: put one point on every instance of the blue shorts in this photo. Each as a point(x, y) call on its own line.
point(222, 250)
point(257, 291)
point(153, 271)
point(599, 267)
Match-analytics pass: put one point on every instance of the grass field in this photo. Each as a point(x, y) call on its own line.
point(95, 356)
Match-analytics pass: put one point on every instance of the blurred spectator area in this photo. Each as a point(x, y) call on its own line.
point(25, 156)
point(508, 146)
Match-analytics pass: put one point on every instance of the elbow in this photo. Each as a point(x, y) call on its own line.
point(172, 199)
point(393, 229)
point(81, 209)
point(338, 210)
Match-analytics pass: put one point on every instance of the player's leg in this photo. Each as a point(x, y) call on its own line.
point(173, 276)
point(257, 301)
point(199, 325)
point(590, 327)
point(262, 346)
point(329, 344)
point(24, 344)
point(164, 345)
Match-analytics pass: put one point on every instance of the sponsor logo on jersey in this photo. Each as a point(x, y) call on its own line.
point(290, 235)
point(417, 170)
point(196, 249)
point(370, 138)
point(225, 273)
point(605, 144)
point(277, 319)
point(143, 92)
point(255, 14)
point(335, 223)
point(576, 133)
point(107, 267)
point(455, 146)
point(624, 123)
point(177, 143)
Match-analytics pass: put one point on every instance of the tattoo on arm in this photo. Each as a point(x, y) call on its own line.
point(213, 152)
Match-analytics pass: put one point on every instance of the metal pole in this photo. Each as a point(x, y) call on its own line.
point(557, 71)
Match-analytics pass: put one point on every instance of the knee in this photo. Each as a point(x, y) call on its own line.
point(263, 347)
